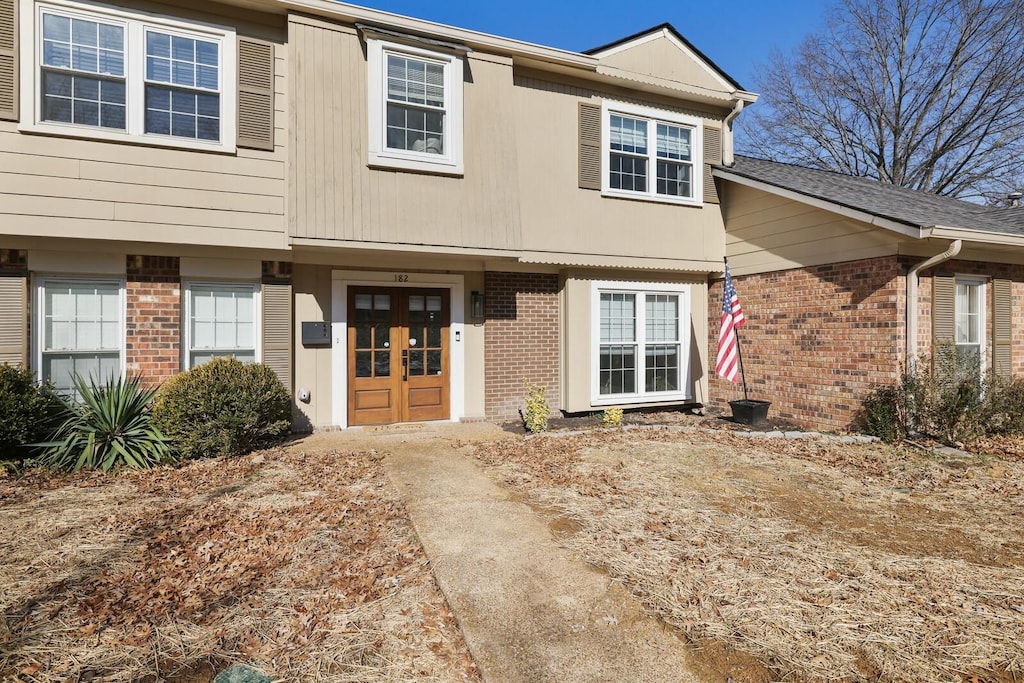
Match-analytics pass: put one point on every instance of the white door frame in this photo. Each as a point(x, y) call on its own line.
point(341, 280)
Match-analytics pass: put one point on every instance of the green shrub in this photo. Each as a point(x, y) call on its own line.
point(612, 417)
point(28, 411)
point(111, 427)
point(224, 407)
point(535, 417)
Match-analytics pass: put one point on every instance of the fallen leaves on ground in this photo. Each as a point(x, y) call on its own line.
point(824, 560)
point(304, 563)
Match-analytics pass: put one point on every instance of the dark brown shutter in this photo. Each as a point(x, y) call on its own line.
point(590, 146)
point(712, 155)
point(255, 94)
point(277, 330)
point(1002, 329)
point(13, 340)
point(9, 60)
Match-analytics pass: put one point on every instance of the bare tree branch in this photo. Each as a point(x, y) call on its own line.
point(926, 94)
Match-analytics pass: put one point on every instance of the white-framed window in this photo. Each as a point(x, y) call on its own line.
point(103, 72)
point(415, 108)
point(651, 154)
point(969, 321)
point(80, 330)
point(221, 319)
point(640, 342)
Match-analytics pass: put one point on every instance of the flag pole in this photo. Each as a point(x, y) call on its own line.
point(739, 349)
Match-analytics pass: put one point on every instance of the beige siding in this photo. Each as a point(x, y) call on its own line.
point(58, 187)
point(663, 58)
point(311, 286)
point(336, 196)
point(768, 232)
point(558, 216)
point(578, 345)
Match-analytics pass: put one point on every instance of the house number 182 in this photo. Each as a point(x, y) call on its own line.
point(401, 277)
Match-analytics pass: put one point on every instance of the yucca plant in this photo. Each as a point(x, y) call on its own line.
point(109, 426)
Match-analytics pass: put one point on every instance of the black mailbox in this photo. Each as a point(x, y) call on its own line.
point(316, 333)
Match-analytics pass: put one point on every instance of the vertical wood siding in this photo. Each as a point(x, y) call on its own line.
point(335, 194)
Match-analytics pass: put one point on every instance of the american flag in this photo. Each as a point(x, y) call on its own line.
point(727, 366)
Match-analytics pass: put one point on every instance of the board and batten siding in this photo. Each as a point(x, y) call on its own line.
point(768, 233)
point(52, 186)
point(336, 196)
point(558, 141)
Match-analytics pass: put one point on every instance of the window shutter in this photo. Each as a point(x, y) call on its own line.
point(712, 155)
point(9, 60)
point(255, 93)
point(13, 301)
point(590, 146)
point(1002, 329)
point(277, 331)
point(943, 313)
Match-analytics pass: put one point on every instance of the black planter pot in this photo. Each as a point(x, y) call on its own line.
point(749, 411)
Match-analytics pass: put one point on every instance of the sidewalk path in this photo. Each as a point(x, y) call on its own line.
point(530, 612)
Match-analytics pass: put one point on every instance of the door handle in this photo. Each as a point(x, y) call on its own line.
point(405, 365)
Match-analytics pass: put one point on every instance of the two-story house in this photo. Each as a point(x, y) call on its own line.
point(404, 220)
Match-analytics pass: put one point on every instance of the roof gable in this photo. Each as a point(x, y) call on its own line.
point(662, 52)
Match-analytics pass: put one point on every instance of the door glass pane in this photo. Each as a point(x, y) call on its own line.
point(416, 365)
point(382, 336)
point(433, 362)
point(364, 364)
point(434, 335)
point(382, 364)
point(364, 334)
point(416, 303)
point(433, 303)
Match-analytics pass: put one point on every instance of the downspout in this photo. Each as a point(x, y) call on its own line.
point(727, 143)
point(912, 282)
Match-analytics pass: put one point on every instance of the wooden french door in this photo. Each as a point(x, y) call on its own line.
point(398, 367)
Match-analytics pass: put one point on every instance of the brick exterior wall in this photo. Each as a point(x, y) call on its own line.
point(153, 292)
point(816, 339)
point(520, 340)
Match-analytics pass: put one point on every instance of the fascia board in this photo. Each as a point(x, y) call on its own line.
point(340, 11)
point(977, 236)
point(905, 229)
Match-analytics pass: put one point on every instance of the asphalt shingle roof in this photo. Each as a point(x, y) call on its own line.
point(910, 207)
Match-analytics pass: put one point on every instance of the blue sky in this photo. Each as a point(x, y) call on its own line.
point(736, 35)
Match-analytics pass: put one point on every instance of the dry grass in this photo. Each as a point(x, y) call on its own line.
point(302, 563)
point(823, 561)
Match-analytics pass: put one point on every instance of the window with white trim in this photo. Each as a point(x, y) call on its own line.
point(639, 343)
point(415, 108)
point(651, 154)
point(969, 321)
point(81, 330)
point(222, 320)
point(107, 73)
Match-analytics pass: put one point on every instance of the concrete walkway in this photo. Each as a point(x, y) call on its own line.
point(531, 613)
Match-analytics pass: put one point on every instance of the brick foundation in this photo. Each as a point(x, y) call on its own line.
point(816, 339)
point(520, 340)
point(153, 292)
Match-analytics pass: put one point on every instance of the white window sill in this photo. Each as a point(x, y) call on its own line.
point(403, 162)
point(647, 399)
point(656, 198)
point(90, 133)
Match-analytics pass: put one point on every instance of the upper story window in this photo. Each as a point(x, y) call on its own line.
point(415, 108)
point(106, 73)
point(650, 154)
